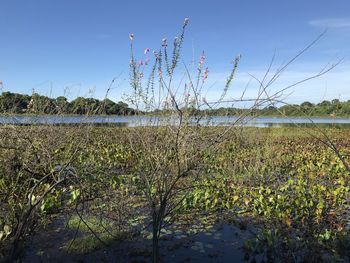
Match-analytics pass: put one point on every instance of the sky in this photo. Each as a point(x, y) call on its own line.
point(75, 48)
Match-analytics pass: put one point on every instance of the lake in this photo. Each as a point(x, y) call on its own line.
point(132, 121)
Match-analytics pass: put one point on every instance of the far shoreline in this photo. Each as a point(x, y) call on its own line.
point(166, 115)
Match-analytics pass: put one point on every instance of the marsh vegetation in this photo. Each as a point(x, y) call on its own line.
point(284, 188)
point(169, 192)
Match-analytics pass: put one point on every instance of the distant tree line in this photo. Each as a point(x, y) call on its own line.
point(333, 108)
point(36, 104)
point(15, 103)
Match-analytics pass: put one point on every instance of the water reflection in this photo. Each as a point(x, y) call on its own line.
point(131, 121)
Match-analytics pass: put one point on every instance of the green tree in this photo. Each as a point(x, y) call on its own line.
point(62, 104)
point(13, 102)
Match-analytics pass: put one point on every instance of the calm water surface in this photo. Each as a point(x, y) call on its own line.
point(130, 121)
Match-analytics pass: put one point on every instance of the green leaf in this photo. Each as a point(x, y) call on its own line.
point(7, 230)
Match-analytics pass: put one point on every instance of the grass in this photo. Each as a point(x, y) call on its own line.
point(86, 241)
point(97, 225)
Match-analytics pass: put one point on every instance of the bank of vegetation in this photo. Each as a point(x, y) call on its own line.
point(14, 103)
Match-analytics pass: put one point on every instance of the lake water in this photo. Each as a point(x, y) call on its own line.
point(131, 121)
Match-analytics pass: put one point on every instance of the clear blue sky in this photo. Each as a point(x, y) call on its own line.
point(80, 44)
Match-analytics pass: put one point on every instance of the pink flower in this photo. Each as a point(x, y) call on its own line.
point(146, 51)
point(131, 36)
point(206, 73)
point(140, 63)
point(186, 20)
point(201, 60)
point(156, 54)
point(164, 42)
point(187, 95)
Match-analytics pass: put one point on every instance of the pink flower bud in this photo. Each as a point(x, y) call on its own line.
point(201, 60)
point(146, 51)
point(206, 73)
point(156, 54)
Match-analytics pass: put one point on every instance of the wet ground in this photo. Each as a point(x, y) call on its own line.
point(221, 242)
